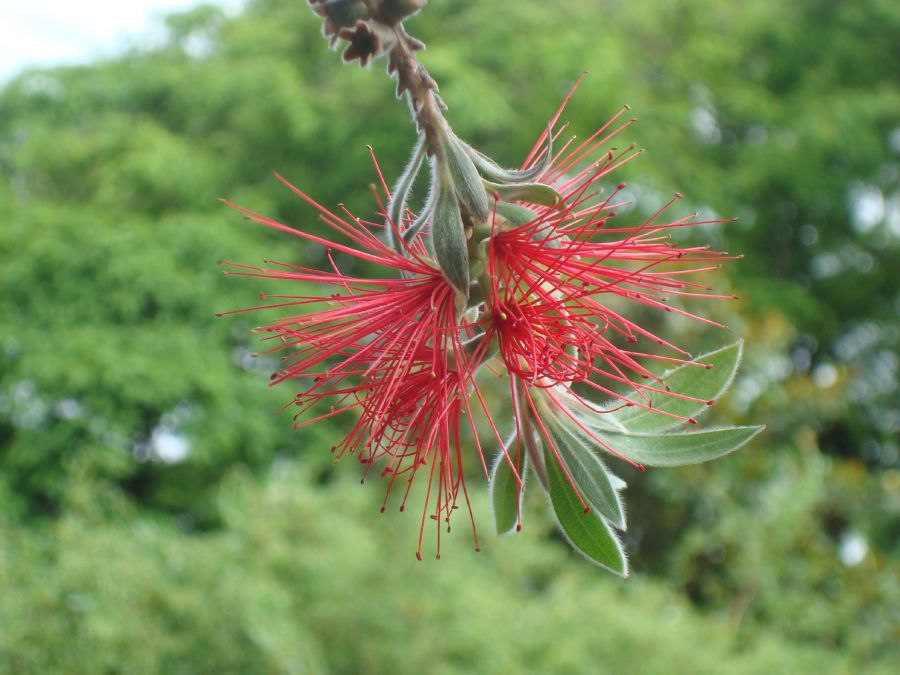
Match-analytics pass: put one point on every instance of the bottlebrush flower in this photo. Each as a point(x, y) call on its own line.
point(552, 270)
point(389, 352)
point(557, 276)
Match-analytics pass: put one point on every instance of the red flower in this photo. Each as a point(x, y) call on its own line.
point(558, 281)
point(389, 350)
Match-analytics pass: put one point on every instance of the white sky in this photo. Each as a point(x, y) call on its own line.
point(48, 32)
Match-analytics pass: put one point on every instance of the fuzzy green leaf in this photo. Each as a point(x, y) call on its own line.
point(493, 171)
point(505, 490)
point(682, 448)
point(425, 217)
point(515, 213)
point(400, 194)
point(584, 413)
point(702, 383)
point(588, 532)
point(535, 193)
point(591, 477)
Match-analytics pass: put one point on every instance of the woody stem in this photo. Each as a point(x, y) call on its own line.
point(420, 88)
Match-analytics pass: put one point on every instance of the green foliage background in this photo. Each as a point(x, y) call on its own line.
point(254, 553)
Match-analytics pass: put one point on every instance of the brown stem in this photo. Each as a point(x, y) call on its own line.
point(419, 87)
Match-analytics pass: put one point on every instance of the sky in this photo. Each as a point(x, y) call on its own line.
point(50, 32)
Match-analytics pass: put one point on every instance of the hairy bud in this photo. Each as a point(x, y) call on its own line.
point(469, 185)
point(448, 232)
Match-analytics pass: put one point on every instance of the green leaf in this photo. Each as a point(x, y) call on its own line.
point(680, 448)
point(495, 172)
point(505, 490)
point(535, 193)
point(588, 532)
point(584, 412)
point(400, 194)
point(617, 483)
point(590, 476)
point(702, 383)
point(425, 217)
point(515, 213)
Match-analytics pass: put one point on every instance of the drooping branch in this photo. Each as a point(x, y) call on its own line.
point(374, 28)
point(419, 87)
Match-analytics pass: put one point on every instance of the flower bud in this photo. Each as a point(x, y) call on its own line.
point(448, 233)
point(469, 185)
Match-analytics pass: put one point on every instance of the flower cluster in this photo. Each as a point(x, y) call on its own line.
point(522, 273)
point(387, 351)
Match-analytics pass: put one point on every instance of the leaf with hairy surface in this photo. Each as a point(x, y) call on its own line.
point(588, 533)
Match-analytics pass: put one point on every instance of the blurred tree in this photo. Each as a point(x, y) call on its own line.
point(121, 395)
